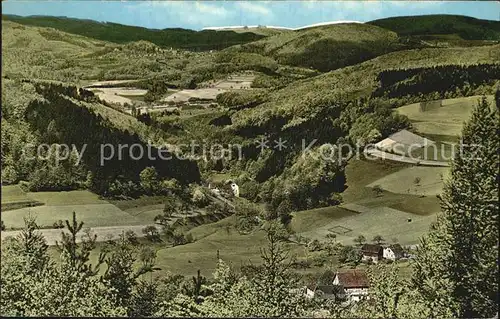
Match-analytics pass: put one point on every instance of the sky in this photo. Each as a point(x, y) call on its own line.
point(200, 14)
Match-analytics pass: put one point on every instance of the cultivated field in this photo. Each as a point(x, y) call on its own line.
point(185, 95)
point(119, 95)
point(210, 90)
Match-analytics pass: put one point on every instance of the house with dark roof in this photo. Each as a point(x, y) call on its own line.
point(353, 283)
point(393, 252)
point(372, 252)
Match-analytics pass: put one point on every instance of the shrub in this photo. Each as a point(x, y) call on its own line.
point(199, 198)
point(131, 237)
point(350, 254)
point(320, 260)
point(151, 233)
point(249, 190)
point(247, 215)
point(315, 245)
point(301, 264)
point(378, 190)
point(58, 224)
point(177, 237)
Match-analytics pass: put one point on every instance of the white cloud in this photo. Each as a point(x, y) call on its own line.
point(205, 8)
point(191, 13)
point(416, 3)
point(255, 8)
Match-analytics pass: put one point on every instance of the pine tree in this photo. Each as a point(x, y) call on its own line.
point(459, 257)
point(79, 254)
point(31, 244)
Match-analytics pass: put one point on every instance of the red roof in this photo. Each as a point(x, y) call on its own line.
point(353, 278)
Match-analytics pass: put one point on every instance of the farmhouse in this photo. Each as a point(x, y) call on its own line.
point(372, 252)
point(353, 283)
point(393, 252)
point(403, 141)
point(226, 189)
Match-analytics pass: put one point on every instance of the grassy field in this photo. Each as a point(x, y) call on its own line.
point(13, 197)
point(446, 119)
point(78, 197)
point(93, 211)
point(391, 224)
point(13, 193)
point(315, 218)
point(93, 215)
point(233, 247)
point(362, 175)
point(417, 180)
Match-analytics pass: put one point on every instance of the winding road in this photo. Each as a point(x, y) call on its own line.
point(403, 159)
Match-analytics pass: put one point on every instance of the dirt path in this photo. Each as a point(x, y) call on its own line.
point(53, 235)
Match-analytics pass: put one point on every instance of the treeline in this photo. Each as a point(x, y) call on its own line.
point(60, 120)
point(441, 81)
point(248, 61)
point(329, 54)
point(237, 100)
point(119, 33)
point(466, 27)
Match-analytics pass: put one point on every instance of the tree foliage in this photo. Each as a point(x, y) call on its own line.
point(458, 261)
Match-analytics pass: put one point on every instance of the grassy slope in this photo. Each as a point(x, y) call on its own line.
point(60, 205)
point(37, 52)
point(446, 120)
point(466, 27)
point(119, 33)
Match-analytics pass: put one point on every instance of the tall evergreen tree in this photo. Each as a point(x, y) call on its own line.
point(78, 254)
point(458, 259)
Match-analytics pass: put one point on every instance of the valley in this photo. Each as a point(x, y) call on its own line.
point(331, 137)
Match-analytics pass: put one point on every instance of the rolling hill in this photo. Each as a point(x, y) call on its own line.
point(299, 103)
point(325, 48)
point(119, 33)
point(466, 27)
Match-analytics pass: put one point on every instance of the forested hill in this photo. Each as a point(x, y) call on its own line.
point(439, 24)
point(119, 33)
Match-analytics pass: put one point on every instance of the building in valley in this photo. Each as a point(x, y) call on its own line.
point(393, 252)
point(372, 252)
point(353, 284)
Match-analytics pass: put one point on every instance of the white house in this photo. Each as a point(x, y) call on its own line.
point(236, 189)
point(393, 252)
point(354, 283)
